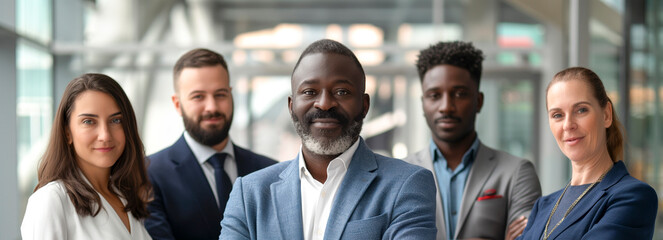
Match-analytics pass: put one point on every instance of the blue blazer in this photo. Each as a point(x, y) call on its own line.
point(379, 198)
point(184, 206)
point(620, 207)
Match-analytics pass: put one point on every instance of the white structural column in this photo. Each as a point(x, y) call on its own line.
point(9, 212)
point(579, 35)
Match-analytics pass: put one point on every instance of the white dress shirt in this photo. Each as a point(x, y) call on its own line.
point(317, 198)
point(50, 214)
point(204, 152)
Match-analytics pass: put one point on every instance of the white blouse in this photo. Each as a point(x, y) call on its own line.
point(50, 214)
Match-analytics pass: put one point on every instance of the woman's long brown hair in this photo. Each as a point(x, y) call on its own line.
point(128, 175)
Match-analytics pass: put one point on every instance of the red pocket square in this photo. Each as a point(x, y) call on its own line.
point(489, 194)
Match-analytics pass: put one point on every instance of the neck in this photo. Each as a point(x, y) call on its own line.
point(453, 151)
point(317, 164)
point(98, 179)
point(221, 145)
point(590, 170)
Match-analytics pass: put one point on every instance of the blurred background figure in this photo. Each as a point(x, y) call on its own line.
point(44, 44)
point(92, 179)
point(602, 201)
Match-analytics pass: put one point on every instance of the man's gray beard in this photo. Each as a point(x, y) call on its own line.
point(328, 146)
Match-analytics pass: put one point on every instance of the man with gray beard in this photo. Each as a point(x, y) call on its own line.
point(336, 188)
point(192, 178)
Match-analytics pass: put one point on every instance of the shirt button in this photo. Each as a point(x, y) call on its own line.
point(453, 213)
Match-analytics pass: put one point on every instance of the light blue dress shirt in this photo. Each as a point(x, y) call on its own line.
point(452, 183)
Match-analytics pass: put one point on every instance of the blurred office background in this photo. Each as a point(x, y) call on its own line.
point(46, 43)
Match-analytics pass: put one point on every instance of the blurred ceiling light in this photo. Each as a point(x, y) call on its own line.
point(239, 57)
point(289, 56)
point(370, 57)
point(264, 56)
point(365, 35)
point(334, 32)
point(399, 150)
point(281, 36)
point(371, 85)
point(405, 35)
point(384, 92)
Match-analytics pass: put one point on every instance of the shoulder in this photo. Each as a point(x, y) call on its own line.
point(51, 199)
point(418, 156)
point(506, 163)
point(399, 171)
point(53, 191)
point(629, 188)
point(266, 175)
point(257, 158)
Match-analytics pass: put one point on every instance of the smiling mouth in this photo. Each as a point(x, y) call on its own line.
point(325, 123)
point(573, 141)
point(108, 149)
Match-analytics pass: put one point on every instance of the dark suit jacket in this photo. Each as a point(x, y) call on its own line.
point(184, 206)
point(379, 198)
point(620, 207)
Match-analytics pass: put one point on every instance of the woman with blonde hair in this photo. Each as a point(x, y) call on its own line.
point(92, 179)
point(602, 201)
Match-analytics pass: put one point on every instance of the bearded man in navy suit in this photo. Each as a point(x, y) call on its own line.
point(192, 178)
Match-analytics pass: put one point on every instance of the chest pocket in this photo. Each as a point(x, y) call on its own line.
point(364, 229)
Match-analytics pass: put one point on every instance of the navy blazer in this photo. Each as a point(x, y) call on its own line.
point(379, 198)
point(184, 206)
point(620, 207)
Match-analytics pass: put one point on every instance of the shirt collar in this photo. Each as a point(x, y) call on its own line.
point(468, 156)
point(345, 158)
point(204, 152)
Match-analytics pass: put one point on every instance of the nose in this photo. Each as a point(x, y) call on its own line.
point(447, 104)
point(569, 124)
point(325, 101)
point(211, 104)
point(104, 134)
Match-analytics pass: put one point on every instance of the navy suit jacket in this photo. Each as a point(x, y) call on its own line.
point(620, 207)
point(379, 198)
point(184, 206)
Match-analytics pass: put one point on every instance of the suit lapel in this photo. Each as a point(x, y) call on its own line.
point(482, 168)
point(423, 158)
point(588, 201)
point(286, 198)
point(189, 170)
point(359, 176)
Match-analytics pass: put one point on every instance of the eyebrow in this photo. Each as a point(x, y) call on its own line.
point(218, 90)
point(315, 80)
point(574, 105)
point(96, 116)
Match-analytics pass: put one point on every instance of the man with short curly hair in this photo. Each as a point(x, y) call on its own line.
point(480, 190)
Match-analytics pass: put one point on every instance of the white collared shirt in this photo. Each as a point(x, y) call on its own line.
point(317, 198)
point(204, 152)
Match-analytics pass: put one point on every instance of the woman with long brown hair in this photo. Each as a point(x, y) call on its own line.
point(92, 179)
point(602, 201)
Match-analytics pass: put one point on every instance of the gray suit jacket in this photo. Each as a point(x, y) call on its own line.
point(516, 189)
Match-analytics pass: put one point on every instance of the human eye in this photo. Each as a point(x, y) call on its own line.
point(87, 121)
point(555, 115)
point(432, 95)
point(582, 110)
point(460, 93)
point(342, 92)
point(308, 92)
point(197, 97)
point(116, 120)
